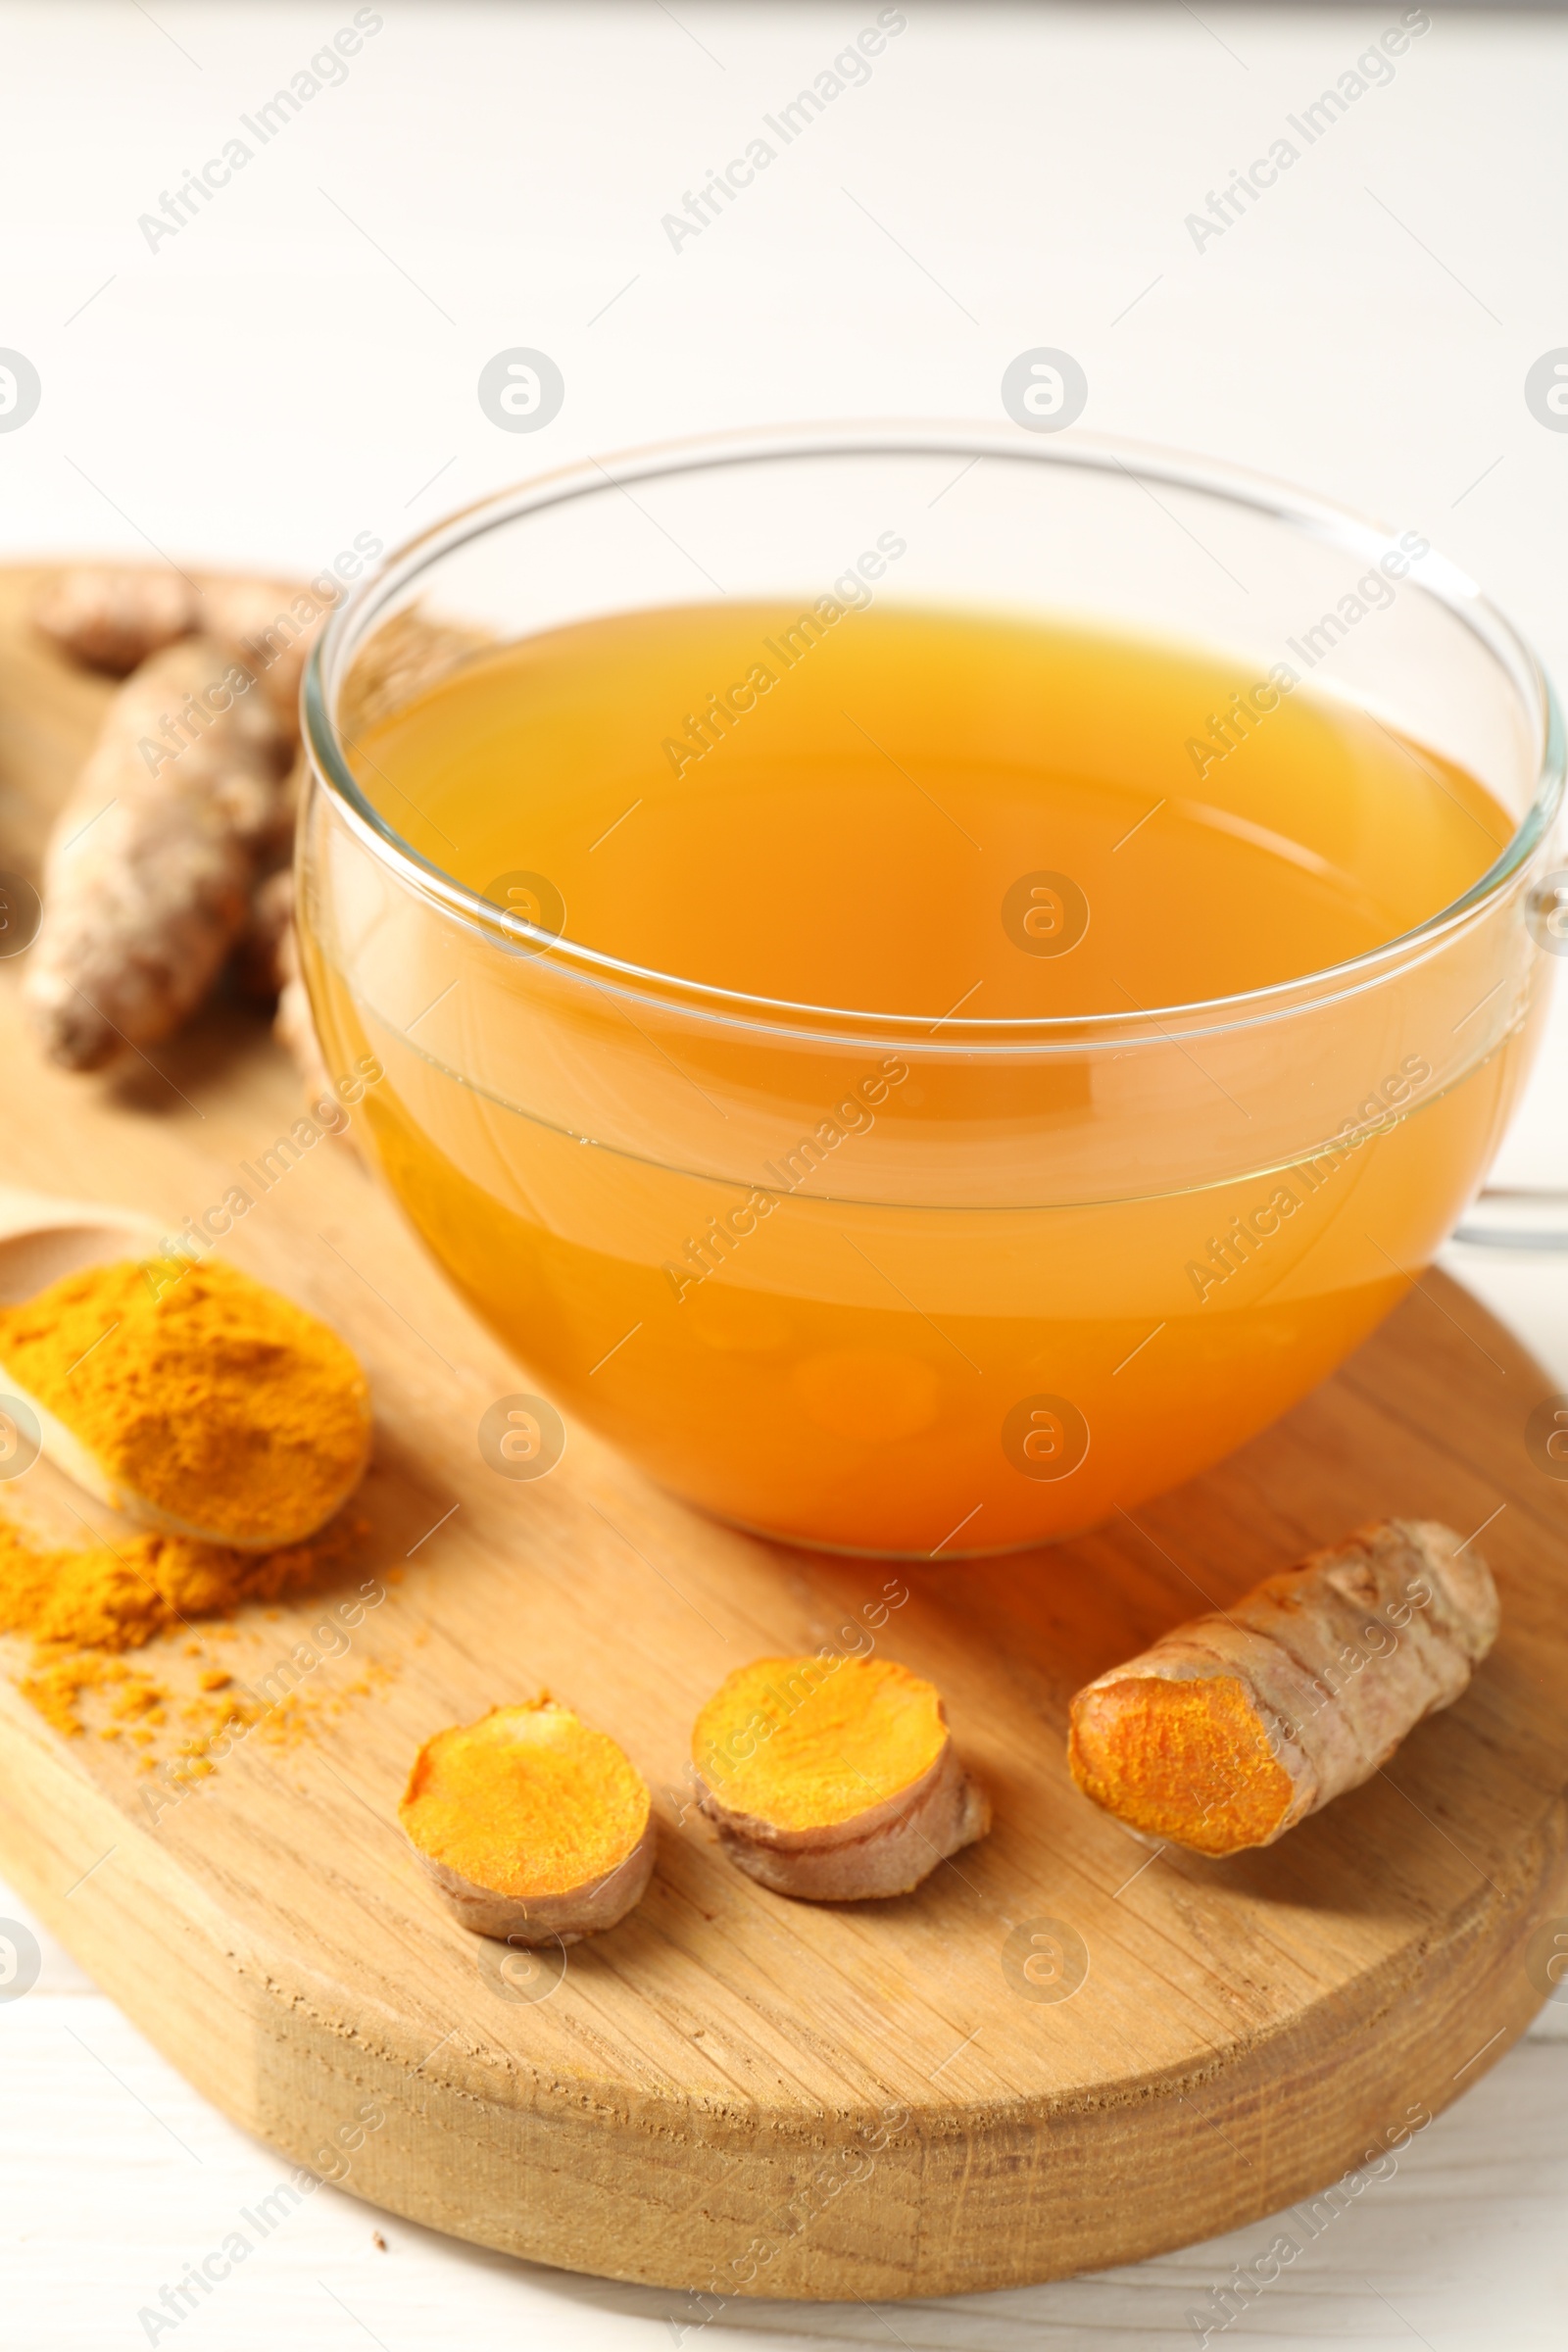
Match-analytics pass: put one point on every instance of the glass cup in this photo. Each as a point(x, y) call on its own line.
point(862, 1281)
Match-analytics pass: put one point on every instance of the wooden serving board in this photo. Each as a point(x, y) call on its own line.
point(1061, 2054)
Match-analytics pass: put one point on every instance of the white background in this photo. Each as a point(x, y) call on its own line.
point(299, 365)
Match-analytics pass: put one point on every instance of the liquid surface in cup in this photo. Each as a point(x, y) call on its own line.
point(853, 1295)
point(905, 810)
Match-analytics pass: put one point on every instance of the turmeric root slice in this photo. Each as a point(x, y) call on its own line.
point(834, 1779)
point(1235, 1727)
point(531, 1825)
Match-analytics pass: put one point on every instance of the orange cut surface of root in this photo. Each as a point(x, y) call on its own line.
point(1188, 1761)
point(527, 1802)
point(806, 1744)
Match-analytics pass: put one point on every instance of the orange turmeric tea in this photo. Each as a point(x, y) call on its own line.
point(921, 1286)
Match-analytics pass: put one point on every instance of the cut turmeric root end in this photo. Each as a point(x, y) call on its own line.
point(531, 1827)
point(1187, 1762)
point(834, 1779)
point(1232, 1728)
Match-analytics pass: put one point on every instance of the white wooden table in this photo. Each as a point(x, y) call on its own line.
point(297, 363)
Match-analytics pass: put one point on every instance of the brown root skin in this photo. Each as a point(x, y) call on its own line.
point(886, 1850)
point(1232, 1728)
point(185, 868)
point(258, 970)
point(564, 1918)
point(261, 621)
point(115, 616)
point(148, 878)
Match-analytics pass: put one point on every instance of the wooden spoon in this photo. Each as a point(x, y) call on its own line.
point(41, 1240)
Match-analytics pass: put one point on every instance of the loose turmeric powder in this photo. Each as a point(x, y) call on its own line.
point(834, 1779)
point(1235, 1727)
point(531, 1825)
point(202, 1394)
point(84, 1609)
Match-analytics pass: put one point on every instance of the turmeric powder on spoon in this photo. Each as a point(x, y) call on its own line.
point(208, 1406)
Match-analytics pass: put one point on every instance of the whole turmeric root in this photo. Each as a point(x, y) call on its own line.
point(148, 878)
point(112, 616)
point(164, 863)
point(115, 616)
point(1235, 1727)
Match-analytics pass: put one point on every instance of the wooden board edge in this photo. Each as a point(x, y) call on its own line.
point(539, 2177)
